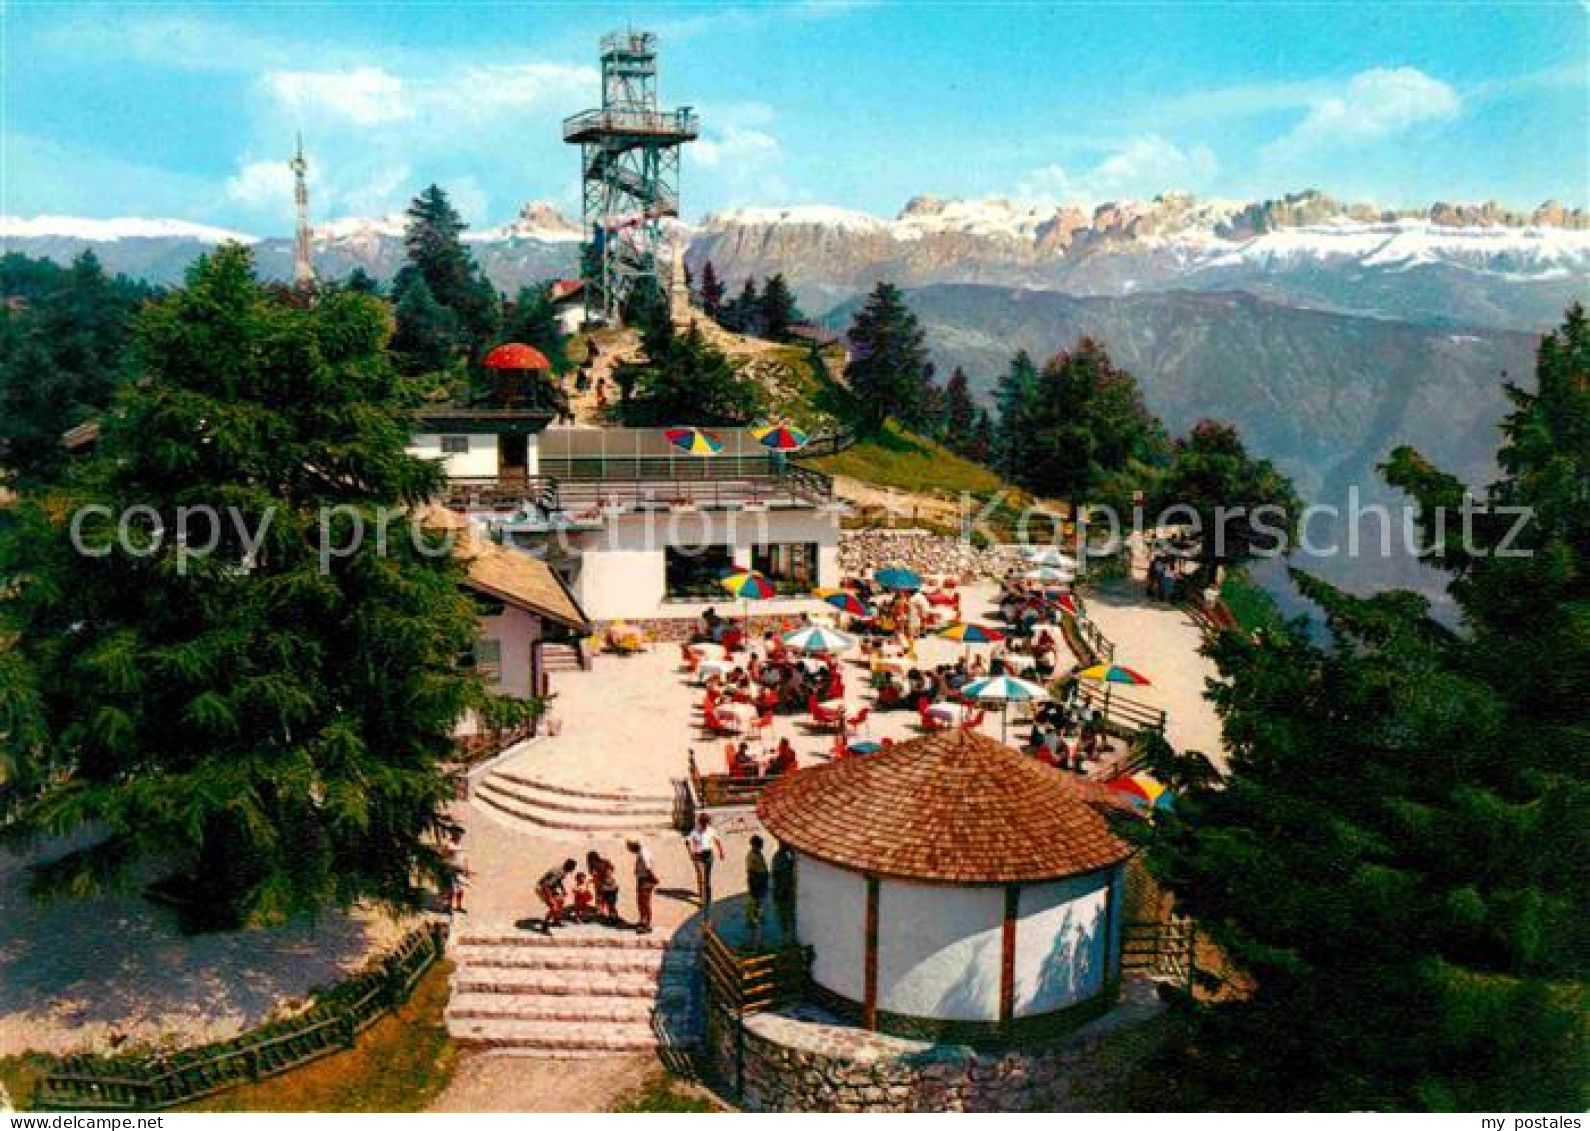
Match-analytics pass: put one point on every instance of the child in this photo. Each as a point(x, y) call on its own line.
point(550, 889)
point(584, 897)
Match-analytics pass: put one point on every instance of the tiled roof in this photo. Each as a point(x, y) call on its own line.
point(508, 575)
point(954, 807)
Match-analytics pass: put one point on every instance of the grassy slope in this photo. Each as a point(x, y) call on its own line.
point(401, 1063)
point(900, 459)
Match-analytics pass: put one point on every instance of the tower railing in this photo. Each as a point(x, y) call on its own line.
point(588, 125)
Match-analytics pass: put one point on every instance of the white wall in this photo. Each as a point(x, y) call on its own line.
point(517, 631)
point(831, 918)
point(1060, 942)
point(622, 567)
point(939, 950)
point(480, 462)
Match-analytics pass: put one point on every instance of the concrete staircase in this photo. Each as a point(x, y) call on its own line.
point(583, 991)
point(518, 797)
point(562, 658)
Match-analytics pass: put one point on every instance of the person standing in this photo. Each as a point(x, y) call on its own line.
point(645, 884)
point(784, 891)
point(703, 843)
point(756, 885)
point(604, 876)
point(550, 889)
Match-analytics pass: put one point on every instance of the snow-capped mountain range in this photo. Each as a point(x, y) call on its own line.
point(1457, 264)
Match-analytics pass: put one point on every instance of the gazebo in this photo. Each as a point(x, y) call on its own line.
point(952, 888)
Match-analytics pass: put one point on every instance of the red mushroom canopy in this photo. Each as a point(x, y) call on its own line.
point(516, 355)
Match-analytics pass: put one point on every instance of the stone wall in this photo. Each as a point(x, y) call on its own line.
point(800, 1059)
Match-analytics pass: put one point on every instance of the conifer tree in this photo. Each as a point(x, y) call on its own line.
point(269, 720)
point(889, 370)
point(1017, 389)
point(960, 411)
point(436, 253)
point(426, 335)
point(777, 312)
point(531, 319)
point(1395, 861)
point(686, 378)
point(711, 291)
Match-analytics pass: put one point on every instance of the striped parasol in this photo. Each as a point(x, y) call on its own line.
point(819, 639)
point(1004, 690)
point(966, 633)
point(847, 602)
point(780, 437)
point(694, 441)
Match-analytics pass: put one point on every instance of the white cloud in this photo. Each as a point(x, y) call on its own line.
point(364, 96)
point(1136, 167)
point(265, 187)
point(1371, 106)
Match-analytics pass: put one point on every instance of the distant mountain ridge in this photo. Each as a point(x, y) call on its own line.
point(1448, 264)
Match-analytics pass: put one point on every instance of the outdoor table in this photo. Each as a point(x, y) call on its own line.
point(1017, 662)
point(896, 665)
point(826, 619)
point(952, 713)
point(709, 651)
point(709, 668)
point(865, 747)
point(735, 716)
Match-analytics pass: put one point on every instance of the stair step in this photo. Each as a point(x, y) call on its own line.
point(592, 984)
point(474, 1006)
point(522, 778)
point(563, 802)
point(569, 822)
point(603, 960)
point(576, 937)
point(554, 1039)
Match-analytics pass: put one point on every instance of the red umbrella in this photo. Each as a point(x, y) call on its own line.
point(516, 355)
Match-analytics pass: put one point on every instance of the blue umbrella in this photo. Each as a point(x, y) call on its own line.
point(898, 579)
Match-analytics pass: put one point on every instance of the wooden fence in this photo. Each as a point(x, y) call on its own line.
point(331, 1024)
point(753, 982)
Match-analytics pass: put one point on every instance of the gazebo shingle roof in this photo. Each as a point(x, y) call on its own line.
point(954, 807)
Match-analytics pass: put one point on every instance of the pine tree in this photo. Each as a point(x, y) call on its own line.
point(777, 312)
point(984, 436)
point(436, 252)
point(960, 412)
point(362, 281)
point(532, 320)
point(64, 351)
point(1243, 506)
point(711, 290)
point(1017, 390)
point(1395, 861)
point(426, 337)
point(743, 313)
point(688, 379)
point(270, 720)
point(889, 371)
point(1085, 427)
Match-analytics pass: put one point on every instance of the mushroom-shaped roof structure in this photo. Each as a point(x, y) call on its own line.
point(955, 807)
point(516, 355)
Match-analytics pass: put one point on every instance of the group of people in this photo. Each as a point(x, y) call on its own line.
point(570, 894)
point(744, 763)
point(1066, 734)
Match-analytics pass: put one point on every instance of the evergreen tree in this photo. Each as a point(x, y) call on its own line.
point(436, 253)
point(1243, 506)
point(1014, 396)
point(425, 340)
point(1396, 860)
point(711, 291)
point(984, 437)
point(960, 412)
point(272, 719)
point(532, 320)
point(777, 312)
point(362, 281)
point(743, 313)
point(1085, 426)
point(888, 372)
point(689, 380)
point(65, 336)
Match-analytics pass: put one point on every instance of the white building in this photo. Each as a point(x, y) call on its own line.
point(634, 527)
point(952, 888)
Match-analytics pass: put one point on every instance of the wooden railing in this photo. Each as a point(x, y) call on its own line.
point(756, 981)
point(717, 791)
point(1160, 949)
point(1121, 713)
point(149, 1083)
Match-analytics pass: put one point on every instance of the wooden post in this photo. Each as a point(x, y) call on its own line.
point(1007, 956)
point(869, 1007)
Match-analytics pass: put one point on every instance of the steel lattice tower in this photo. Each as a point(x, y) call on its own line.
point(629, 161)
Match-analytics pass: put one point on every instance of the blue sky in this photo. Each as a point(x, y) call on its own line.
point(188, 110)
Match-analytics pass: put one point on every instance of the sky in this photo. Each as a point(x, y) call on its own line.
point(189, 111)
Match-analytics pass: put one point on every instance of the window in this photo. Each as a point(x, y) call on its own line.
point(488, 659)
point(695, 572)
point(793, 563)
point(455, 445)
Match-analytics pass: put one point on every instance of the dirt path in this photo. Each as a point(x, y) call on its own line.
point(494, 1082)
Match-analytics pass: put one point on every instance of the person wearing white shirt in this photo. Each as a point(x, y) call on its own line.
point(703, 842)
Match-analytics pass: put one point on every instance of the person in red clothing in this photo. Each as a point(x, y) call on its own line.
point(784, 760)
